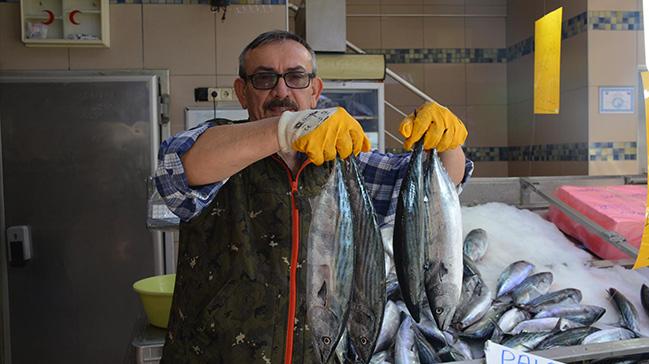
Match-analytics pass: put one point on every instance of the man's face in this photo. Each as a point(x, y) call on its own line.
point(277, 57)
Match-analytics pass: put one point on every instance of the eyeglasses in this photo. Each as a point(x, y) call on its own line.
point(292, 79)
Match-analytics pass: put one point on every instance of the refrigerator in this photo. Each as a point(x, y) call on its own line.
point(364, 101)
point(77, 149)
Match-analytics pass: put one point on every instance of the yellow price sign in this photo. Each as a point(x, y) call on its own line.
point(547, 63)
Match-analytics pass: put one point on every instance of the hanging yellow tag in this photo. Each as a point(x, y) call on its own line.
point(643, 252)
point(547, 63)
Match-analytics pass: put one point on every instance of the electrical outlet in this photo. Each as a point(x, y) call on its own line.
point(227, 94)
point(220, 94)
point(213, 94)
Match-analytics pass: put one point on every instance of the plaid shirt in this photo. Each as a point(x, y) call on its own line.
point(382, 175)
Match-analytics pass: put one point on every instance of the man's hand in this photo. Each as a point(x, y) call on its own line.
point(321, 133)
point(440, 128)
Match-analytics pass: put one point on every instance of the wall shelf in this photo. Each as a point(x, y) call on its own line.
point(65, 23)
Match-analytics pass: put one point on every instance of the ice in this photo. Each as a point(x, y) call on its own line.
point(516, 234)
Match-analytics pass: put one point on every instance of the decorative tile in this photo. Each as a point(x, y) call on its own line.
point(442, 55)
point(613, 151)
point(615, 20)
point(486, 154)
point(549, 152)
point(594, 20)
point(542, 152)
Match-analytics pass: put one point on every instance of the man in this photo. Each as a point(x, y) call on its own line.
point(242, 192)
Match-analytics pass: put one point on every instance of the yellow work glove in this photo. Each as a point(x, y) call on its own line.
point(321, 133)
point(441, 129)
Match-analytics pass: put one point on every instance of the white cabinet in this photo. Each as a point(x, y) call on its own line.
point(65, 23)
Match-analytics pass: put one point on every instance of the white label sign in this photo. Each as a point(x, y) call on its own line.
point(616, 100)
point(498, 354)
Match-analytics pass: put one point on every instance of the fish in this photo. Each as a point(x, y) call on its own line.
point(368, 289)
point(428, 327)
point(545, 324)
point(566, 338)
point(565, 296)
point(345, 352)
point(426, 352)
point(608, 335)
point(443, 231)
point(330, 264)
point(382, 357)
point(453, 353)
point(470, 269)
point(510, 319)
point(389, 326)
point(627, 310)
point(526, 341)
point(512, 276)
point(405, 351)
point(408, 242)
point(392, 290)
point(644, 298)
point(485, 326)
point(460, 346)
point(475, 244)
point(532, 287)
point(583, 314)
point(476, 306)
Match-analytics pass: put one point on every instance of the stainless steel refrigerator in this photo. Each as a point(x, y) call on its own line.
point(77, 149)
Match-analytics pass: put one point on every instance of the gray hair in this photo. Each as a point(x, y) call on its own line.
point(271, 37)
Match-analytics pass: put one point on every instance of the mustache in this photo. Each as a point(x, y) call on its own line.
point(286, 102)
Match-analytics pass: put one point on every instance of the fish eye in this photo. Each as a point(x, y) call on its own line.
point(364, 340)
point(439, 310)
point(326, 340)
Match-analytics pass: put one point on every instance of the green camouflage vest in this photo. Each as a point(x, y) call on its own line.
point(231, 298)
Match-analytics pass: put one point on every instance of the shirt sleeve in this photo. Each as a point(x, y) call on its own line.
point(170, 179)
point(383, 174)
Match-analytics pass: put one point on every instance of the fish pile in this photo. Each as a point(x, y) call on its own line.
point(433, 306)
point(521, 313)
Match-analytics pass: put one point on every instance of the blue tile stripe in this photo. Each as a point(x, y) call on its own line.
point(542, 152)
point(442, 55)
point(594, 20)
point(581, 152)
point(615, 20)
point(613, 151)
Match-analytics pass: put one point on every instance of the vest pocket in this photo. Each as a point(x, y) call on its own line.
point(239, 323)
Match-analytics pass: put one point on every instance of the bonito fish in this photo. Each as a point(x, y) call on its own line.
point(330, 261)
point(408, 241)
point(475, 244)
point(512, 276)
point(627, 310)
point(368, 290)
point(443, 254)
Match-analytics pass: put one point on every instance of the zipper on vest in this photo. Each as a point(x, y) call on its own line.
point(295, 246)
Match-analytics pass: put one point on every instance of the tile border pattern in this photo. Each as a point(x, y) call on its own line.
point(592, 20)
point(579, 152)
point(613, 151)
point(442, 55)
